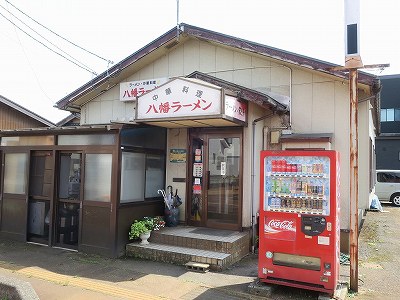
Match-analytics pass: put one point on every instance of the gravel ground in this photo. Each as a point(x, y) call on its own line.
point(379, 264)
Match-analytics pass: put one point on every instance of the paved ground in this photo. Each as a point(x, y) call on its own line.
point(60, 274)
point(379, 262)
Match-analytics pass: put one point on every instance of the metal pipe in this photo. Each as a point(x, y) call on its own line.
point(353, 78)
point(290, 95)
point(177, 20)
point(253, 232)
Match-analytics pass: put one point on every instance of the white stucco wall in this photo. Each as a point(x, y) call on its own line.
point(177, 139)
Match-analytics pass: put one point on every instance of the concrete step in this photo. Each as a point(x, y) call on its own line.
point(226, 241)
point(179, 255)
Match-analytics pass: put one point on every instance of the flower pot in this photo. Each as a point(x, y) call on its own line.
point(144, 237)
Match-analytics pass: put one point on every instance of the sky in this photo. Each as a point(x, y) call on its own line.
point(36, 78)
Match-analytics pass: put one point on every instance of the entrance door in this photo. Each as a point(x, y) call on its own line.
point(68, 204)
point(216, 185)
point(40, 195)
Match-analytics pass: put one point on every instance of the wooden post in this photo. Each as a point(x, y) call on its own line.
point(353, 78)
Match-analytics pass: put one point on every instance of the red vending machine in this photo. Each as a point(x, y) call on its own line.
point(299, 219)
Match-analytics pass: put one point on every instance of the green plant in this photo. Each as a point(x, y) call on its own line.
point(145, 225)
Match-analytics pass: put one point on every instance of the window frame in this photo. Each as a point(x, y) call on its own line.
point(146, 152)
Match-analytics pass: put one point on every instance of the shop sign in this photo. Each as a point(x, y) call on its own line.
point(129, 91)
point(235, 109)
point(180, 98)
point(177, 155)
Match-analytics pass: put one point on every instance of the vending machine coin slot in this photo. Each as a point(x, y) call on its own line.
point(312, 225)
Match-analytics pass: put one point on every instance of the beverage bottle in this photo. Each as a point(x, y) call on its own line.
point(271, 202)
point(320, 190)
point(278, 203)
point(293, 186)
point(273, 166)
point(304, 188)
point(287, 186)
point(273, 185)
point(289, 203)
point(278, 188)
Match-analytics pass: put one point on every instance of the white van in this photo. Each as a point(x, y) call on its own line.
point(387, 186)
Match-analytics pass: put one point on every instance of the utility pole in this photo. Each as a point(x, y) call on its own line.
point(353, 62)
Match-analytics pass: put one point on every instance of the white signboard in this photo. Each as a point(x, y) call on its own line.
point(129, 91)
point(180, 98)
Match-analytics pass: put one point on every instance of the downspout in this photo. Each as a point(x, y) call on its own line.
point(290, 95)
point(253, 167)
point(252, 215)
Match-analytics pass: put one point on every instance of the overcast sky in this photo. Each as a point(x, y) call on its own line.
point(35, 77)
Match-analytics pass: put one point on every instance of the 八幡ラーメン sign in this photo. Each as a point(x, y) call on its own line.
point(182, 98)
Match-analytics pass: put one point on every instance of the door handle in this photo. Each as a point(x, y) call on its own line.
point(208, 180)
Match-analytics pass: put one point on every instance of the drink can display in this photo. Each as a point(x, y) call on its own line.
point(315, 204)
point(277, 202)
point(314, 168)
point(278, 186)
point(293, 183)
point(298, 187)
point(284, 166)
point(273, 185)
point(289, 203)
point(320, 204)
point(272, 202)
point(320, 190)
point(273, 166)
point(279, 166)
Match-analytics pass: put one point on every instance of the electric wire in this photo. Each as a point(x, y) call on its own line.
point(107, 60)
point(92, 71)
point(82, 67)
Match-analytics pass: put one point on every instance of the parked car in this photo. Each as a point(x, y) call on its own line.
point(387, 186)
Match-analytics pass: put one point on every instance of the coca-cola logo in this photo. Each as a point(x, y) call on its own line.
point(279, 224)
point(280, 229)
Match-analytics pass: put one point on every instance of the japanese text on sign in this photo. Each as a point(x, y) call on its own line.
point(131, 90)
point(180, 98)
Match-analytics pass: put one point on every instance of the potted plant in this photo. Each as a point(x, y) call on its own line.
point(142, 228)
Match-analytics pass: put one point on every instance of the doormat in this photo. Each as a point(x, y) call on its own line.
point(212, 232)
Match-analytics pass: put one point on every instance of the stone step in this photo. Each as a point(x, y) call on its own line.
point(226, 241)
point(179, 255)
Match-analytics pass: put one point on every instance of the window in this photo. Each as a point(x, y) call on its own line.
point(70, 176)
point(98, 177)
point(142, 175)
point(142, 164)
point(14, 173)
point(132, 177)
point(86, 139)
point(391, 177)
point(383, 115)
point(27, 140)
point(150, 138)
point(390, 114)
point(155, 170)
